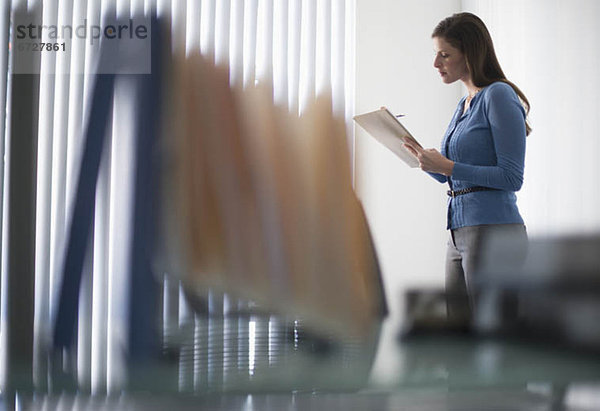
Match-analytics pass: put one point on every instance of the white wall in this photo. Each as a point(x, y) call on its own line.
point(405, 207)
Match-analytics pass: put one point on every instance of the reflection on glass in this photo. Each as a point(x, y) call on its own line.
point(231, 345)
point(251, 343)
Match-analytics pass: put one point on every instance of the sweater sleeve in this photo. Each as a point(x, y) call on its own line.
point(439, 177)
point(506, 118)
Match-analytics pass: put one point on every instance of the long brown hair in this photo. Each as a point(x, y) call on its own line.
point(467, 33)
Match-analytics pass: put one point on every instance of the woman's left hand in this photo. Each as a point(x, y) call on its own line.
point(430, 159)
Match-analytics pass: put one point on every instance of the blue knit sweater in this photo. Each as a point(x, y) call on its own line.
point(487, 145)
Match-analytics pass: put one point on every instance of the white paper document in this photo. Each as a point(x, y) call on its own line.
point(388, 130)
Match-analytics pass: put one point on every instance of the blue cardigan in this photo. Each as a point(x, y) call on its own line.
point(487, 145)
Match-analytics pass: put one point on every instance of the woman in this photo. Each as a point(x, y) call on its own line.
point(482, 154)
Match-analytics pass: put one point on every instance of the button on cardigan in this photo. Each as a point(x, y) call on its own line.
point(487, 145)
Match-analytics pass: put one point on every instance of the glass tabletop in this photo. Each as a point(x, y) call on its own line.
point(261, 353)
point(249, 360)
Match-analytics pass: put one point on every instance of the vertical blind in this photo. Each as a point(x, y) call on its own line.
point(298, 48)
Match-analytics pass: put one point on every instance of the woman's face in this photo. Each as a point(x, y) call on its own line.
point(449, 62)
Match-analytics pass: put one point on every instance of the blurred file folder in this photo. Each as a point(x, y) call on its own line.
point(261, 203)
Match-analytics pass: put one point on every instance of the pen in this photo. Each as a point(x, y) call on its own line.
point(397, 115)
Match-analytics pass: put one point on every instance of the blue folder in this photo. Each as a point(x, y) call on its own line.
point(143, 298)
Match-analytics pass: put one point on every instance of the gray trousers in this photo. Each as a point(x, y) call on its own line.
point(464, 254)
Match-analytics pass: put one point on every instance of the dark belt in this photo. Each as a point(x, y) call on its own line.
point(453, 194)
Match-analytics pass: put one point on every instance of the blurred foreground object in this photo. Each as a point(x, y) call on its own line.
point(425, 314)
point(547, 290)
point(261, 205)
point(556, 290)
